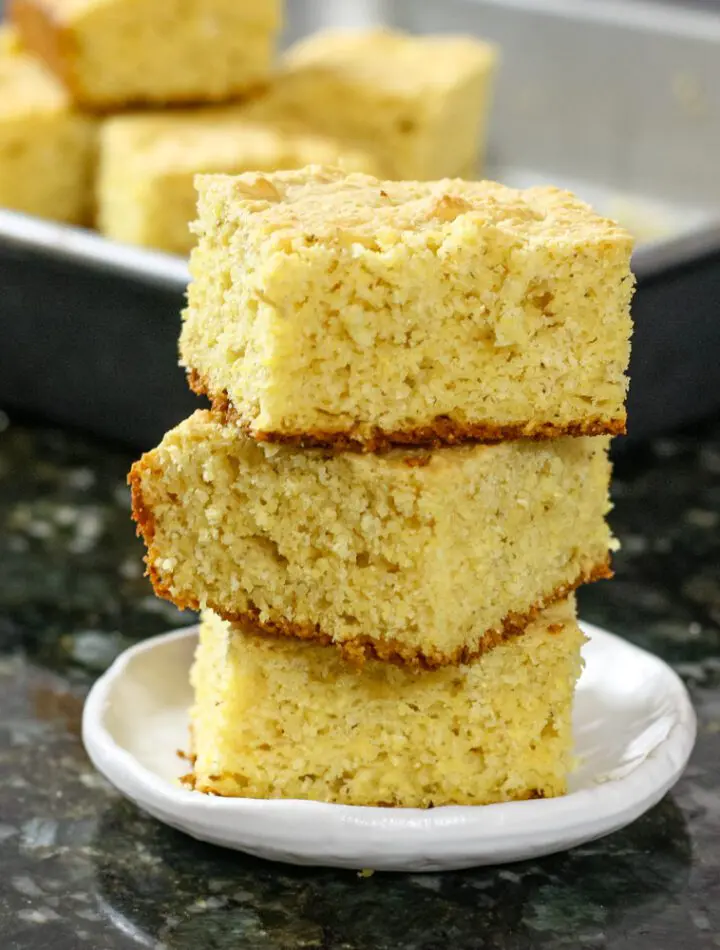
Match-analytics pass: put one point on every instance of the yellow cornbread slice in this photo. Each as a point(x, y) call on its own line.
point(279, 718)
point(420, 103)
point(148, 162)
point(113, 53)
point(338, 309)
point(46, 146)
point(422, 558)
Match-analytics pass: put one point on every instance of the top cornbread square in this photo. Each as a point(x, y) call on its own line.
point(328, 308)
point(420, 102)
point(112, 53)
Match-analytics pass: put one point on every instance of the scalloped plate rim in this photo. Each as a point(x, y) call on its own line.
point(452, 836)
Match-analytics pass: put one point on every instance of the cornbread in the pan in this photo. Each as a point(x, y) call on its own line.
point(422, 558)
point(338, 309)
point(279, 718)
point(419, 103)
point(148, 161)
point(113, 53)
point(46, 147)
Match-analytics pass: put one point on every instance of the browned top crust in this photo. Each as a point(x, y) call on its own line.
point(356, 650)
point(442, 431)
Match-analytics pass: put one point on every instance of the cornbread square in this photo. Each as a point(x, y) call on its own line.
point(46, 147)
point(421, 102)
point(148, 161)
point(338, 309)
point(113, 53)
point(279, 718)
point(423, 558)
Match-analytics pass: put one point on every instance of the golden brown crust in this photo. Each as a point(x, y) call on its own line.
point(44, 35)
point(356, 650)
point(442, 431)
point(209, 786)
point(141, 515)
point(417, 461)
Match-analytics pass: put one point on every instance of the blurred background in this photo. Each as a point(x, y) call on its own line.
point(617, 100)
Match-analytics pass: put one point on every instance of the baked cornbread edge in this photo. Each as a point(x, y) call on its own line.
point(44, 35)
point(442, 431)
point(47, 37)
point(193, 783)
point(356, 650)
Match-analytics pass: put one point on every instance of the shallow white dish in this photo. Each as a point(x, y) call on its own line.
point(634, 728)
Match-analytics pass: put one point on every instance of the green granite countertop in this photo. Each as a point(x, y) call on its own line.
point(83, 868)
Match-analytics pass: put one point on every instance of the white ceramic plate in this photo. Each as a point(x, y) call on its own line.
point(634, 728)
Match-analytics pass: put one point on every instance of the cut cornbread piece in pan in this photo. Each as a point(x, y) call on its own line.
point(279, 718)
point(422, 558)
point(148, 161)
point(420, 102)
point(46, 147)
point(112, 53)
point(338, 309)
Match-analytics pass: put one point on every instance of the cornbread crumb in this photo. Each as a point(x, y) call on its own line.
point(113, 53)
point(148, 161)
point(46, 147)
point(279, 718)
point(419, 103)
point(369, 312)
point(426, 564)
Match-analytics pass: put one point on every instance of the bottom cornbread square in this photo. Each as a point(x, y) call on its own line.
point(277, 717)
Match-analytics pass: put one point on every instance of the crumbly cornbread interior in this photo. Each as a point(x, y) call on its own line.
point(46, 147)
point(365, 305)
point(282, 718)
point(416, 554)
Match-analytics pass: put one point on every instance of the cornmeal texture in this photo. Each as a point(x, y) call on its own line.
point(329, 308)
point(148, 161)
point(420, 103)
point(112, 53)
point(427, 559)
point(279, 718)
point(46, 146)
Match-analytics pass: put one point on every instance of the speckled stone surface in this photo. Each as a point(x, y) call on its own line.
point(79, 867)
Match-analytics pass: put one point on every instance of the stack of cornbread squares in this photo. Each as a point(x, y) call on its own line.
point(403, 479)
point(92, 80)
